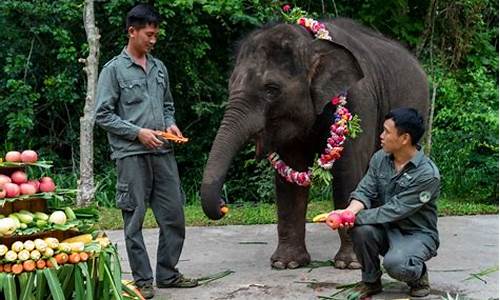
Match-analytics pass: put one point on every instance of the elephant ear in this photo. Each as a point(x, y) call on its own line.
point(333, 69)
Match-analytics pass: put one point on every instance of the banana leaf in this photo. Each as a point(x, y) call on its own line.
point(54, 284)
point(2, 279)
point(9, 287)
point(66, 274)
point(27, 292)
point(79, 291)
point(88, 280)
point(41, 285)
point(41, 163)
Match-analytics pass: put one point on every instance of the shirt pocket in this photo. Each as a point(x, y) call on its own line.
point(132, 91)
point(402, 185)
point(161, 86)
point(123, 199)
point(382, 186)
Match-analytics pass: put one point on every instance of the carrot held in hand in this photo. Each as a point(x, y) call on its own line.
point(172, 137)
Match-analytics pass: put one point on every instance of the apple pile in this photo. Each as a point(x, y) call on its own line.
point(18, 183)
point(334, 219)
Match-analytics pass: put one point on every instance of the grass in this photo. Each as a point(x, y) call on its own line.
point(265, 213)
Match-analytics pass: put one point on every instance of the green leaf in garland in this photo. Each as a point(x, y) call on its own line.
point(354, 127)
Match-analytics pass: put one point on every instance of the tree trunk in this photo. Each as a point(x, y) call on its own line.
point(86, 188)
point(428, 143)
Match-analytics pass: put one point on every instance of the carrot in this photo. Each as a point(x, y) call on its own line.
point(172, 137)
point(224, 210)
point(61, 258)
point(29, 265)
point(1, 268)
point(17, 268)
point(49, 264)
point(84, 256)
point(74, 258)
point(7, 268)
point(40, 264)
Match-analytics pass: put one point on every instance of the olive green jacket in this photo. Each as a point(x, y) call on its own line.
point(128, 99)
point(406, 200)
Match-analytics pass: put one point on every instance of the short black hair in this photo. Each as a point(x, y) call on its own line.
point(408, 120)
point(142, 15)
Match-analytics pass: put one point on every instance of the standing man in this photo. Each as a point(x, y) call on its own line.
point(134, 103)
point(395, 207)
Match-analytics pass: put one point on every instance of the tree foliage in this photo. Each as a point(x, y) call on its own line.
point(42, 85)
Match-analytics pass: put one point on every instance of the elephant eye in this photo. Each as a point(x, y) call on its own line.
point(272, 91)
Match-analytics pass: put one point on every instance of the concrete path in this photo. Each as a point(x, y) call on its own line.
point(468, 245)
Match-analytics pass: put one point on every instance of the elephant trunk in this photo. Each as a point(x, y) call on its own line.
point(236, 128)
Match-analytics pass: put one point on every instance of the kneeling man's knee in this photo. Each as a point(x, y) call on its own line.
point(402, 268)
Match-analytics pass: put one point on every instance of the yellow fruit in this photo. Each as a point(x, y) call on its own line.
point(85, 238)
point(320, 218)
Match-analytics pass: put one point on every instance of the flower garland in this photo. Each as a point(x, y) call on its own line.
point(344, 123)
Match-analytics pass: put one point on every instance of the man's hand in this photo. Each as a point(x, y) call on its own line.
point(343, 225)
point(148, 138)
point(354, 207)
point(174, 130)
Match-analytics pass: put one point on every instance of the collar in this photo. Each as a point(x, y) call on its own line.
point(415, 160)
point(127, 56)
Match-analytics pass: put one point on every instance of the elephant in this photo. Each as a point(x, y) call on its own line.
point(280, 95)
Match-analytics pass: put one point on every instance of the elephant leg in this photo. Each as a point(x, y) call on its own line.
point(291, 251)
point(346, 175)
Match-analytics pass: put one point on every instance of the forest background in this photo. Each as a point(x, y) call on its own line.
point(42, 84)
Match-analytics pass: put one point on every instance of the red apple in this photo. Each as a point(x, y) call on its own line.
point(19, 177)
point(348, 216)
point(29, 156)
point(27, 189)
point(35, 183)
point(4, 179)
point(13, 156)
point(12, 190)
point(3, 193)
point(47, 186)
point(334, 220)
point(46, 178)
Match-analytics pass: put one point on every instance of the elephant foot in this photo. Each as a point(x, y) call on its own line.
point(289, 259)
point(345, 257)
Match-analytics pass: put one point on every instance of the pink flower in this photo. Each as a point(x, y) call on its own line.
point(302, 22)
point(286, 8)
point(336, 100)
point(340, 130)
point(316, 26)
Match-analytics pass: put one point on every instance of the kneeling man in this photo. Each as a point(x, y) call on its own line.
point(395, 207)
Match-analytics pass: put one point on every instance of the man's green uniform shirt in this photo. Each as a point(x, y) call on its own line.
point(406, 200)
point(129, 98)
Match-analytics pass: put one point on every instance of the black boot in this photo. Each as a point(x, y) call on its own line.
point(421, 287)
